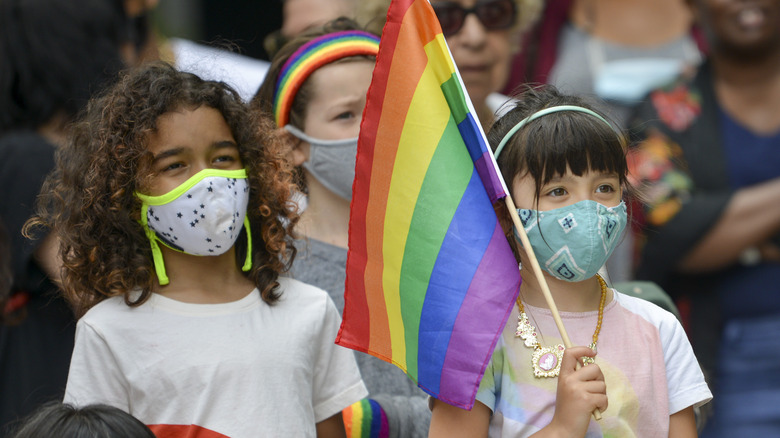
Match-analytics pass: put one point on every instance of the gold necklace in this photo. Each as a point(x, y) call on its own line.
point(547, 360)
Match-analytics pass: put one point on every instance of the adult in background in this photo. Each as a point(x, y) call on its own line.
point(612, 52)
point(710, 158)
point(615, 50)
point(482, 36)
point(53, 55)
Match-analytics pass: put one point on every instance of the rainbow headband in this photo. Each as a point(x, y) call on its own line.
point(313, 55)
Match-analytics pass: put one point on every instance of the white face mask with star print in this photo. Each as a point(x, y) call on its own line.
point(203, 216)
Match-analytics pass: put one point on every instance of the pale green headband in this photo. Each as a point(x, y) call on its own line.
point(544, 112)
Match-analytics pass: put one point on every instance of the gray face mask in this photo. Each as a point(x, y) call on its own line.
point(332, 162)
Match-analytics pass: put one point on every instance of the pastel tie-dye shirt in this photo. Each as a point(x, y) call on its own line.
point(647, 361)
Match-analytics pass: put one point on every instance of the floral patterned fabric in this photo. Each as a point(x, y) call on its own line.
point(678, 162)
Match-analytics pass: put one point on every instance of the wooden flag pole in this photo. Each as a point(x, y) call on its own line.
point(542, 282)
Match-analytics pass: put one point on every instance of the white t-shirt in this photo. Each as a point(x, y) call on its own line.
point(240, 369)
point(648, 365)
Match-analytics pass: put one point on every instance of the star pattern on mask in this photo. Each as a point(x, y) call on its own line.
point(195, 221)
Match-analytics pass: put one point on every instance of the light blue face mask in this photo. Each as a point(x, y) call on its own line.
point(572, 243)
point(628, 81)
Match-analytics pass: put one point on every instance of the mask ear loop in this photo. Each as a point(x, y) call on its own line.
point(157, 258)
point(159, 263)
point(248, 260)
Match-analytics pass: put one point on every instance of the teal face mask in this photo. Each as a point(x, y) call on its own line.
point(203, 216)
point(572, 243)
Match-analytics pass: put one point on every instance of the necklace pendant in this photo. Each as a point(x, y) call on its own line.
point(525, 330)
point(547, 360)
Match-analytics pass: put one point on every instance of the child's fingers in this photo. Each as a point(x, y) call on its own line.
point(587, 381)
point(590, 372)
point(571, 356)
point(597, 393)
point(581, 390)
point(598, 401)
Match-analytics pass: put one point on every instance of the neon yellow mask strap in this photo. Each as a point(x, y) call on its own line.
point(157, 257)
point(248, 261)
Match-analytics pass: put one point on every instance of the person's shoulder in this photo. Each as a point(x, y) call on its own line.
point(646, 310)
point(305, 303)
point(296, 292)
point(107, 312)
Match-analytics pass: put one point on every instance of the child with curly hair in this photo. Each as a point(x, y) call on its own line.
point(171, 202)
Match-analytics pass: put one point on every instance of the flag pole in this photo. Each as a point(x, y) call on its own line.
point(542, 282)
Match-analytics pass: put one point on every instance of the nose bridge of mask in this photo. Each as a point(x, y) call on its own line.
point(571, 220)
point(342, 142)
point(186, 185)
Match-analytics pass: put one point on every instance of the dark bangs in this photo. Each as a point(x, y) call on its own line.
point(577, 140)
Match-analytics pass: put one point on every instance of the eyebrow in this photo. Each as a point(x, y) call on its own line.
point(346, 101)
point(226, 144)
point(559, 178)
point(167, 153)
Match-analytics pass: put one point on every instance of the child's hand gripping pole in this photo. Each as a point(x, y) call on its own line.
point(542, 282)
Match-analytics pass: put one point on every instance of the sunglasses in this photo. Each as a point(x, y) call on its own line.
point(493, 14)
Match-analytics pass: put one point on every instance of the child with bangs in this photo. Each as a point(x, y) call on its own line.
point(171, 201)
point(565, 167)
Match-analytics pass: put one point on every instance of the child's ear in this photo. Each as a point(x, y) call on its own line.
point(298, 154)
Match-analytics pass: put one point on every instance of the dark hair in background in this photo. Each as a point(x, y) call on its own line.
point(546, 146)
point(264, 98)
point(92, 421)
point(89, 201)
point(52, 51)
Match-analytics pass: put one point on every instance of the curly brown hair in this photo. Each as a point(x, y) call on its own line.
point(89, 201)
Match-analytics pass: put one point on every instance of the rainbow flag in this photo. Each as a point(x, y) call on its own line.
point(430, 275)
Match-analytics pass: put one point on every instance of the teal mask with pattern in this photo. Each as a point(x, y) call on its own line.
point(572, 243)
